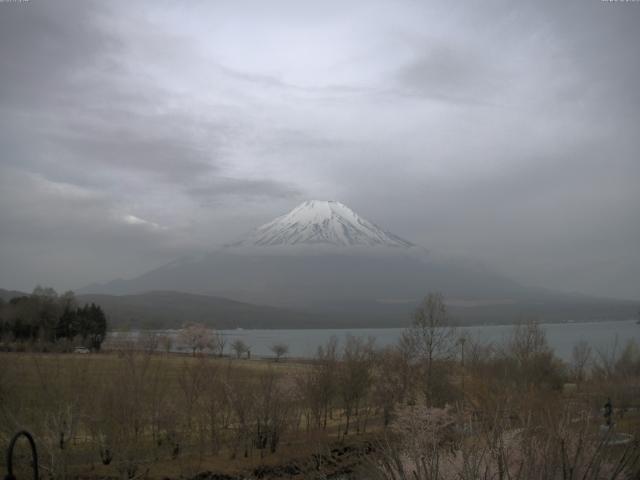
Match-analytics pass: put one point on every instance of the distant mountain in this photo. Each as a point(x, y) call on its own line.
point(320, 251)
point(323, 257)
point(7, 295)
point(165, 309)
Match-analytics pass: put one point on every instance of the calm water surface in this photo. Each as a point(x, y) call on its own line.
point(602, 336)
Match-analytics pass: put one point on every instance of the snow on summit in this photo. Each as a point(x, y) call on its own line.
point(321, 222)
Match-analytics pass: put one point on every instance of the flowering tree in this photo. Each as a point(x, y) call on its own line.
point(196, 337)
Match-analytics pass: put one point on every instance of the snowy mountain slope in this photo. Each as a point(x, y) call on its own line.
point(321, 222)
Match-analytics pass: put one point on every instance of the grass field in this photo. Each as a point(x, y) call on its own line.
point(134, 414)
point(141, 406)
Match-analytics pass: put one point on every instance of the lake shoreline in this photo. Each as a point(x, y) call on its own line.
point(303, 343)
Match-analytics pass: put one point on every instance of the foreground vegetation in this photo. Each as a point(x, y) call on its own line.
point(435, 406)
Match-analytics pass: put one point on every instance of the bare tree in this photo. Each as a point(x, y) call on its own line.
point(279, 350)
point(325, 369)
point(424, 444)
point(216, 407)
point(148, 342)
point(317, 385)
point(527, 341)
point(580, 358)
point(119, 419)
point(605, 360)
point(355, 377)
point(156, 397)
point(241, 397)
point(530, 359)
point(166, 342)
point(192, 379)
point(218, 342)
point(431, 334)
point(628, 364)
point(272, 409)
point(393, 377)
point(239, 347)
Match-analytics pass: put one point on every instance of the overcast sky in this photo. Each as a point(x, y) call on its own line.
point(133, 133)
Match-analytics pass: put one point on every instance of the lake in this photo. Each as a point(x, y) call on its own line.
point(602, 336)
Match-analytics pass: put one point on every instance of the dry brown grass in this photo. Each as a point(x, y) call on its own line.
point(109, 399)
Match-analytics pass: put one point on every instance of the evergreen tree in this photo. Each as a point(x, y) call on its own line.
point(67, 324)
point(47, 316)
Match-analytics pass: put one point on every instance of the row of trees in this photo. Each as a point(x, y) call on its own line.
point(432, 392)
point(130, 410)
point(198, 339)
point(44, 316)
point(165, 408)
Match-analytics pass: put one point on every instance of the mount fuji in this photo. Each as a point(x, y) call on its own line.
point(324, 258)
point(321, 222)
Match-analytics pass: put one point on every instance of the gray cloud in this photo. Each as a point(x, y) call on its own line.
point(448, 73)
point(170, 158)
point(42, 44)
point(135, 133)
point(220, 187)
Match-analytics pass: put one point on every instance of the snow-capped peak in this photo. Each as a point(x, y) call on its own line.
point(321, 222)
